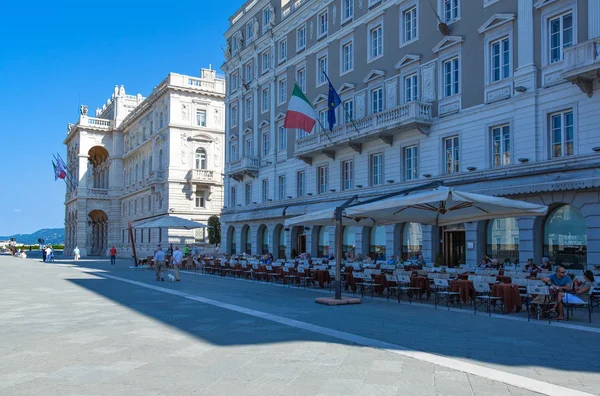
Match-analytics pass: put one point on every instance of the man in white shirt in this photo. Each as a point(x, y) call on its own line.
point(176, 260)
point(48, 254)
point(159, 264)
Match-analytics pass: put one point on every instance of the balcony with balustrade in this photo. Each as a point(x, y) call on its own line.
point(582, 65)
point(384, 125)
point(244, 166)
point(205, 177)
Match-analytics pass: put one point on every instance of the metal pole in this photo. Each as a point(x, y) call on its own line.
point(135, 261)
point(338, 253)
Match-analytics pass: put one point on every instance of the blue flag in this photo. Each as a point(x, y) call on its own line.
point(333, 101)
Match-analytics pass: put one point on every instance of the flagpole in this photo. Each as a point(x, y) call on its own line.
point(318, 118)
point(67, 182)
point(343, 108)
point(69, 173)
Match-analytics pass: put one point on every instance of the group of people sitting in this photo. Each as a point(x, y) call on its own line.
point(568, 290)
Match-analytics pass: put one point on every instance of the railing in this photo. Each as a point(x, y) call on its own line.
point(98, 122)
point(205, 176)
point(290, 7)
point(582, 56)
point(244, 163)
point(414, 112)
point(213, 85)
point(97, 192)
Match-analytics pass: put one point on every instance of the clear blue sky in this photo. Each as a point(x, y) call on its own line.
point(56, 55)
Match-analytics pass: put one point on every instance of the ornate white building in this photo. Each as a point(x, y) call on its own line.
point(493, 96)
point(141, 158)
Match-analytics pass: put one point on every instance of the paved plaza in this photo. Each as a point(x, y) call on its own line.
point(87, 328)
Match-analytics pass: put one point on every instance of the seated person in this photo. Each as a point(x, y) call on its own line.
point(494, 264)
point(484, 264)
point(421, 261)
point(583, 288)
point(560, 282)
point(531, 266)
point(506, 262)
point(392, 260)
point(546, 264)
point(358, 258)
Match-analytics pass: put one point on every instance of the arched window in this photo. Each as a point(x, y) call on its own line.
point(160, 160)
point(248, 247)
point(201, 159)
point(565, 238)
point(323, 248)
point(233, 245)
point(348, 240)
point(412, 241)
point(377, 242)
point(282, 239)
point(264, 238)
point(503, 239)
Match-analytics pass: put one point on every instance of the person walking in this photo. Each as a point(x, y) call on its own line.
point(43, 254)
point(159, 263)
point(113, 255)
point(176, 260)
point(76, 254)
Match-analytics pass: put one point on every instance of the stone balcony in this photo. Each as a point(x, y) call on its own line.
point(383, 125)
point(205, 177)
point(582, 65)
point(101, 193)
point(244, 166)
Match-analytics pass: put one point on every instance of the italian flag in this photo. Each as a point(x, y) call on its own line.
point(300, 113)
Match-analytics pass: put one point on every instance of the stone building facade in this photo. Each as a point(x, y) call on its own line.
point(493, 96)
point(141, 158)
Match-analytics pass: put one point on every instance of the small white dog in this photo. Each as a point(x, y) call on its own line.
point(170, 277)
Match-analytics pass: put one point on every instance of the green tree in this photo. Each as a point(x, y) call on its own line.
point(214, 230)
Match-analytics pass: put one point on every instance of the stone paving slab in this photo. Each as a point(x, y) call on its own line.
point(109, 337)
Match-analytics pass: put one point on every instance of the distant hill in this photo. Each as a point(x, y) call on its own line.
point(49, 235)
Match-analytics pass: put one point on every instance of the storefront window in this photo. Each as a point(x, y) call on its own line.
point(282, 238)
point(503, 239)
point(323, 248)
point(348, 240)
point(377, 243)
point(265, 241)
point(233, 241)
point(412, 241)
point(248, 241)
point(565, 238)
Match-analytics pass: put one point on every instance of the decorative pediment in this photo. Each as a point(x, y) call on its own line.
point(408, 60)
point(373, 75)
point(542, 3)
point(247, 131)
point(233, 136)
point(201, 138)
point(320, 98)
point(495, 21)
point(280, 116)
point(447, 42)
point(346, 87)
point(263, 124)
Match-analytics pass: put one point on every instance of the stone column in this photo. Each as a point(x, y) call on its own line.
point(593, 20)
point(255, 249)
point(288, 243)
point(525, 74)
point(239, 249)
point(391, 246)
point(431, 243)
point(362, 240)
point(527, 246)
point(332, 241)
point(475, 233)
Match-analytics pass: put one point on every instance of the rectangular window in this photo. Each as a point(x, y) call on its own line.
point(160, 120)
point(235, 78)
point(323, 25)
point(348, 110)
point(267, 19)
point(249, 151)
point(451, 10)
point(562, 134)
point(201, 118)
point(234, 116)
point(266, 141)
point(500, 59)
point(248, 193)
point(451, 151)
point(301, 38)
point(451, 77)
point(300, 184)
point(376, 41)
point(377, 101)
point(411, 171)
point(249, 32)
point(232, 197)
point(348, 9)
point(376, 169)
point(266, 61)
point(200, 200)
point(265, 190)
point(301, 79)
point(348, 174)
point(561, 35)
point(411, 90)
point(266, 99)
point(347, 57)
point(233, 153)
point(323, 173)
point(281, 187)
point(248, 108)
point(322, 70)
point(282, 87)
point(501, 146)
point(282, 50)
point(410, 24)
point(282, 138)
point(249, 71)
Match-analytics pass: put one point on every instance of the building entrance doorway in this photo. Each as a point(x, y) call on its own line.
point(301, 243)
point(454, 247)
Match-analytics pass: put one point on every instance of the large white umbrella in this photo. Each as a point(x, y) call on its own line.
point(172, 222)
point(443, 206)
point(325, 217)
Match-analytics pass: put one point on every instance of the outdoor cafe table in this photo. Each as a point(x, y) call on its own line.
point(422, 283)
point(464, 288)
point(511, 298)
point(322, 277)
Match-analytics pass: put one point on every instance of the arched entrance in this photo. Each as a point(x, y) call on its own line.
point(262, 239)
point(98, 167)
point(298, 241)
point(503, 239)
point(348, 240)
point(246, 239)
point(97, 232)
point(231, 240)
point(455, 245)
point(412, 241)
point(377, 242)
point(279, 235)
point(323, 244)
point(565, 237)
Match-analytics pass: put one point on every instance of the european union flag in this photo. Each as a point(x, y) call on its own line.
point(333, 101)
